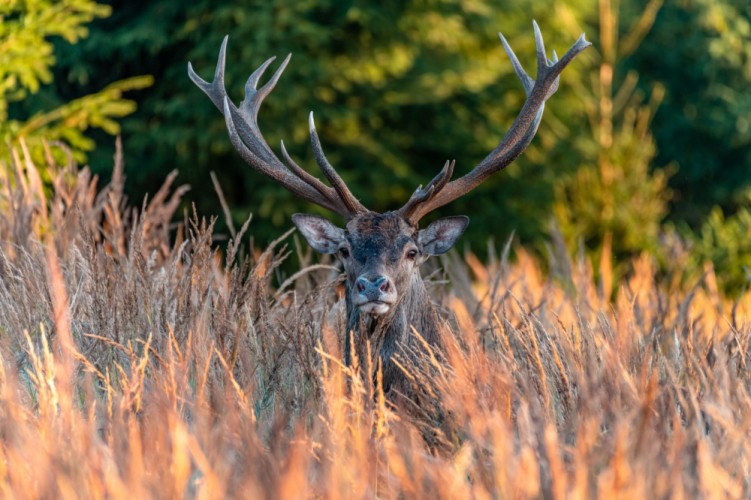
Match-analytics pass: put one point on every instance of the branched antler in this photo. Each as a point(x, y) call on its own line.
point(246, 137)
point(440, 191)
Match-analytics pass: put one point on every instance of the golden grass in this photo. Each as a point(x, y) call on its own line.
point(134, 366)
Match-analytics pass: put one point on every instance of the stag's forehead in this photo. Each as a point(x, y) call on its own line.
point(378, 234)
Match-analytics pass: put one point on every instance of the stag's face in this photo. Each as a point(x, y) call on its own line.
point(380, 252)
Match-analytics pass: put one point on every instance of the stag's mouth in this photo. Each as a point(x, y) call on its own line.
point(375, 307)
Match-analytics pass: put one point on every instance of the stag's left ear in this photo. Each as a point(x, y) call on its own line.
point(321, 234)
point(441, 235)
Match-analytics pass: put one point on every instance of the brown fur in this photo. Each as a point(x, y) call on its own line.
point(377, 243)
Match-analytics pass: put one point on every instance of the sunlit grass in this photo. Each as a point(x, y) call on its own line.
point(136, 366)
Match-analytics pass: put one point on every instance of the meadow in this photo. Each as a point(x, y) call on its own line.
point(140, 358)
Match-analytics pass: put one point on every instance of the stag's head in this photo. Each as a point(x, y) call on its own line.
point(380, 252)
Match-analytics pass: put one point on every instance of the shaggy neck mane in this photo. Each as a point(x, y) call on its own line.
point(391, 333)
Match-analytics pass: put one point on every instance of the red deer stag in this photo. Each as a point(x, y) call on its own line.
point(382, 252)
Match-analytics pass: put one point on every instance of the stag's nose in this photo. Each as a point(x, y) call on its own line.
point(374, 294)
point(373, 288)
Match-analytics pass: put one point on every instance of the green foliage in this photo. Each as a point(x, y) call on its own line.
point(397, 89)
point(615, 196)
point(27, 55)
point(725, 242)
point(26, 33)
point(701, 51)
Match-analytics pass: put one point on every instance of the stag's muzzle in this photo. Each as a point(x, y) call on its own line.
point(374, 295)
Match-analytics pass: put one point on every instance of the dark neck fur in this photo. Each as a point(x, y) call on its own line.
point(390, 331)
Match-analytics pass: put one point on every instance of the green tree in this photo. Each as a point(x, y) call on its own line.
point(724, 241)
point(701, 51)
point(27, 31)
point(615, 196)
point(397, 88)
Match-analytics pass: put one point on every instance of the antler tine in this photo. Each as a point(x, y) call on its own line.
point(216, 92)
point(341, 188)
point(283, 177)
point(519, 135)
point(527, 82)
point(246, 137)
point(253, 96)
point(302, 174)
point(248, 109)
point(434, 186)
point(215, 89)
point(542, 58)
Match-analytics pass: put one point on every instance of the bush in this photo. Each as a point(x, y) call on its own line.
point(726, 243)
point(27, 32)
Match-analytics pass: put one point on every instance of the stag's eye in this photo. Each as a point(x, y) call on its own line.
point(344, 253)
point(412, 254)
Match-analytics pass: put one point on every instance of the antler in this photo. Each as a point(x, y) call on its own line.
point(246, 137)
point(440, 191)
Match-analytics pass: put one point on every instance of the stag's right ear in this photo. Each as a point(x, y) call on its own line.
point(441, 235)
point(321, 234)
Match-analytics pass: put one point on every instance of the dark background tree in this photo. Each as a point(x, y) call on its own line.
point(700, 50)
point(399, 87)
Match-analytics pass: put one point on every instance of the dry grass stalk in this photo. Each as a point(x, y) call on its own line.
point(133, 365)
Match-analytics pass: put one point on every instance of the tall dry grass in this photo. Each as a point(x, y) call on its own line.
point(136, 366)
